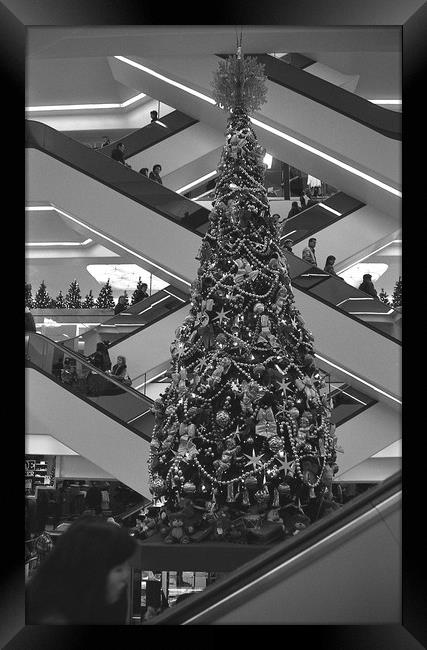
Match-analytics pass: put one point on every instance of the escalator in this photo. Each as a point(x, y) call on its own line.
point(94, 414)
point(284, 72)
point(84, 183)
point(343, 569)
point(308, 134)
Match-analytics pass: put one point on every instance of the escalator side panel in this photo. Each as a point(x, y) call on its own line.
point(86, 430)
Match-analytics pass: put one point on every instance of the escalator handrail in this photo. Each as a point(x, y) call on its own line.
point(128, 310)
point(281, 552)
point(153, 322)
point(387, 123)
point(35, 138)
point(134, 141)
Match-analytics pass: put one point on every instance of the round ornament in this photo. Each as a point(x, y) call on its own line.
point(284, 489)
point(157, 486)
point(262, 497)
point(189, 487)
point(275, 444)
point(221, 339)
point(251, 483)
point(259, 308)
point(294, 413)
point(170, 410)
point(222, 418)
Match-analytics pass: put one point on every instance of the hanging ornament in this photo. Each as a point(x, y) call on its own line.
point(189, 488)
point(251, 483)
point(245, 497)
point(222, 418)
point(230, 493)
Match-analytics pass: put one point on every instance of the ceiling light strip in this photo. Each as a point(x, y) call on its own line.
point(83, 107)
point(395, 241)
point(196, 182)
point(396, 102)
point(267, 127)
point(187, 89)
point(128, 250)
point(350, 374)
point(59, 243)
point(326, 207)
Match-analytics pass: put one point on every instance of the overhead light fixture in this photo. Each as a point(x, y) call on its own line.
point(112, 241)
point(396, 102)
point(83, 107)
point(267, 127)
point(185, 188)
point(287, 234)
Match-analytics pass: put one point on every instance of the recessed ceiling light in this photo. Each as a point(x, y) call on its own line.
point(196, 182)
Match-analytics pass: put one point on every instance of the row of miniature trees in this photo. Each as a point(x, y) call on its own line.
point(74, 300)
point(395, 300)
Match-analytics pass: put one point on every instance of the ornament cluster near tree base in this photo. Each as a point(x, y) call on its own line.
point(245, 422)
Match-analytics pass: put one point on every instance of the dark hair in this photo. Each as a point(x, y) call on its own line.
point(330, 259)
point(153, 111)
point(71, 583)
point(312, 239)
point(294, 204)
point(144, 170)
point(144, 284)
point(367, 277)
point(156, 165)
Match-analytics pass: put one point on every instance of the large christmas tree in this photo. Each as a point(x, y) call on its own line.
point(244, 425)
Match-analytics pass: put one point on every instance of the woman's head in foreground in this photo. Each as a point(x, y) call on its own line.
point(84, 574)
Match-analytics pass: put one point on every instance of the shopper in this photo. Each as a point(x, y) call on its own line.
point(83, 580)
point(119, 370)
point(144, 171)
point(154, 116)
point(294, 210)
point(101, 359)
point(121, 305)
point(93, 498)
point(280, 222)
point(118, 153)
point(155, 174)
point(368, 286)
point(30, 325)
point(329, 266)
point(105, 141)
point(287, 245)
point(308, 253)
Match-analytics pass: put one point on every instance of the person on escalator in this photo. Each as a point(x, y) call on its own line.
point(121, 305)
point(105, 141)
point(155, 174)
point(144, 171)
point(308, 253)
point(329, 266)
point(119, 371)
point(101, 359)
point(118, 154)
point(154, 116)
point(368, 286)
point(294, 210)
point(287, 245)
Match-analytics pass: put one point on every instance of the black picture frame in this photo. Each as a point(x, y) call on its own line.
point(16, 16)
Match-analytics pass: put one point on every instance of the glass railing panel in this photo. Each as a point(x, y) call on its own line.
point(83, 379)
point(117, 176)
point(152, 133)
point(337, 292)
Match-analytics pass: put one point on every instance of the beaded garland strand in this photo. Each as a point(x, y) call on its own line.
point(244, 384)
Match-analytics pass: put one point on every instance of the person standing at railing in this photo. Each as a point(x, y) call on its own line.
point(329, 265)
point(308, 254)
point(155, 174)
point(154, 116)
point(83, 580)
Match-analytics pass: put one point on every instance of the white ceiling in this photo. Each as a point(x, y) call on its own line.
point(70, 65)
